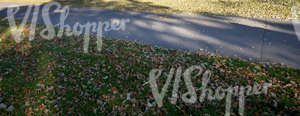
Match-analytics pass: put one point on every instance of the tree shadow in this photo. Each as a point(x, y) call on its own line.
point(131, 5)
point(180, 32)
point(231, 37)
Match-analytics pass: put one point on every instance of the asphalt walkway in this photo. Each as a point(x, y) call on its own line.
point(255, 39)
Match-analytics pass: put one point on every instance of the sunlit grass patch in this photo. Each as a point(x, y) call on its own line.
point(246, 8)
point(27, 1)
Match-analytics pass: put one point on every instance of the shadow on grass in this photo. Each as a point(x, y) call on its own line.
point(249, 8)
point(131, 5)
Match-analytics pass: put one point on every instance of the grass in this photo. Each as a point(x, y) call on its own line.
point(55, 77)
point(27, 1)
point(246, 8)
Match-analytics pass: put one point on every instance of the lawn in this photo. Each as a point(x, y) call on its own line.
point(280, 9)
point(27, 1)
point(55, 77)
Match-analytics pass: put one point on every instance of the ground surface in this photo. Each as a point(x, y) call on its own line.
point(257, 39)
point(280, 9)
point(55, 77)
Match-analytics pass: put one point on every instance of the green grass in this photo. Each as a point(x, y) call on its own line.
point(55, 77)
point(246, 8)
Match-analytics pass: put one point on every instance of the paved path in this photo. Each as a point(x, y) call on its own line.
point(255, 39)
